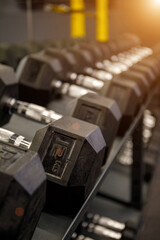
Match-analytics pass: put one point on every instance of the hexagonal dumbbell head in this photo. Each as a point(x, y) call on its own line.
point(152, 64)
point(138, 78)
point(103, 112)
point(35, 74)
point(147, 71)
point(72, 152)
point(22, 192)
point(128, 97)
point(8, 88)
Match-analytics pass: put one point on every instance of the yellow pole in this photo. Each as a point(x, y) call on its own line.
point(77, 18)
point(102, 21)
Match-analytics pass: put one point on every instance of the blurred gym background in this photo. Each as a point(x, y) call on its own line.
point(51, 19)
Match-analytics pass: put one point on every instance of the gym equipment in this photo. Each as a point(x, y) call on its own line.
point(153, 63)
point(31, 73)
point(90, 108)
point(53, 64)
point(65, 148)
point(119, 44)
point(131, 89)
point(110, 223)
point(137, 76)
point(145, 70)
point(122, 63)
point(114, 64)
point(12, 54)
point(22, 187)
point(79, 64)
point(139, 79)
point(128, 101)
point(101, 233)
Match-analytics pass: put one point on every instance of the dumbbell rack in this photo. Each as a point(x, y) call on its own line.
point(60, 227)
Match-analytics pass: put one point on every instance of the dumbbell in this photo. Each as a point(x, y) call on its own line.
point(125, 157)
point(120, 43)
point(143, 75)
point(140, 74)
point(149, 123)
point(128, 104)
point(66, 65)
point(145, 70)
point(110, 223)
point(78, 63)
point(152, 63)
point(79, 143)
point(90, 108)
point(130, 74)
point(15, 53)
point(32, 81)
point(122, 61)
point(99, 232)
point(12, 54)
point(69, 63)
point(55, 76)
point(128, 40)
point(134, 95)
point(138, 67)
point(72, 153)
point(22, 187)
point(54, 70)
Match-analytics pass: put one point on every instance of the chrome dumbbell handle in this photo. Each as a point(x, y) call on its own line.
point(7, 136)
point(103, 231)
point(105, 221)
point(32, 111)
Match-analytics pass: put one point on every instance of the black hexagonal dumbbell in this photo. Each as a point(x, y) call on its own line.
point(33, 80)
point(72, 153)
point(72, 143)
point(132, 74)
point(122, 43)
point(130, 88)
point(15, 52)
point(88, 59)
point(90, 108)
point(22, 188)
point(95, 56)
point(143, 76)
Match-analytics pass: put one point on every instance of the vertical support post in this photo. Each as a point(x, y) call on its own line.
point(77, 18)
point(102, 21)
point(137, 171)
